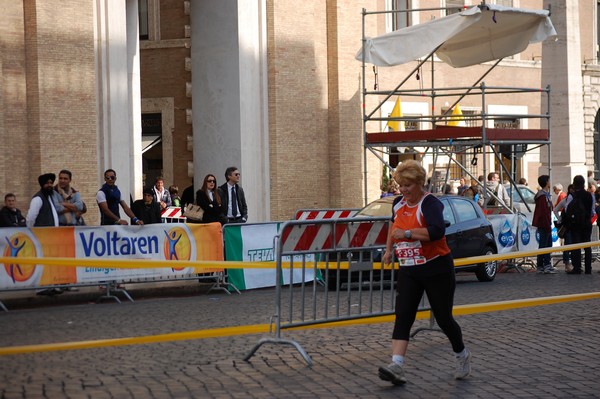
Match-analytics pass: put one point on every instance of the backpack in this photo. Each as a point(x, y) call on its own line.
point(493, 201)
point(575, 215)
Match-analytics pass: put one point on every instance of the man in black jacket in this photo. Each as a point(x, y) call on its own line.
point(578, 217)
point(233, 198)
point(147, 210)
point(10, 216)
point(41, 209)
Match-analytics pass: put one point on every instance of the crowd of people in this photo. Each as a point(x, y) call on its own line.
point(61, 204)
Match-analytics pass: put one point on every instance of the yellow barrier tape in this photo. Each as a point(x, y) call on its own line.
point(264, 328)
point(156, 263)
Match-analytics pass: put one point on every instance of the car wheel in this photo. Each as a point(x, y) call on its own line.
point(487, 271)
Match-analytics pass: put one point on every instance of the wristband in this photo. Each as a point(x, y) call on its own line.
point(135, 220)
point(118, 220)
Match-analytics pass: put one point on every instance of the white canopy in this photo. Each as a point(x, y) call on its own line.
point(479, 34)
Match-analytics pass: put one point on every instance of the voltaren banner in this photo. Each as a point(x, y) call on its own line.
point(166, 242)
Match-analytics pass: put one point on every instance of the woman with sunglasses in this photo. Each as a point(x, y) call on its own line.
point(209, 200)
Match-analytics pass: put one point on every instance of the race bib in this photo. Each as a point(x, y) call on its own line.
point(410, 253)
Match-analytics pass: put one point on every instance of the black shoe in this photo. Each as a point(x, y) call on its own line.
point(574, 271)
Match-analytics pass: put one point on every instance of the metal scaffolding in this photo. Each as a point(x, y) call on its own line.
point(460, 140)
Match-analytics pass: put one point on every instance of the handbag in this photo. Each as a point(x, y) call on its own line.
point(194, 212)
point(562, 230)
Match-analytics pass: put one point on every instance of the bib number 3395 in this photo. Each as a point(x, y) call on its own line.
point(410, 253)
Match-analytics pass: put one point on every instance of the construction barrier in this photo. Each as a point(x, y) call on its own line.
point(318, 214)
point(173, 214)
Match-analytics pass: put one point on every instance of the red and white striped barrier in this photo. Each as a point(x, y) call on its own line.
point(172, 214)
point(321, 235)
point(318, 214)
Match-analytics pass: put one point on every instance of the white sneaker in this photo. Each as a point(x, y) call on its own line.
point(463, 366)
point(393, 373)
point(549, 270)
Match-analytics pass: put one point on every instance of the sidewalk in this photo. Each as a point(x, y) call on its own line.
point(549, 351)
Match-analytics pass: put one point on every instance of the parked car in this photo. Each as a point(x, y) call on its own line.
point(468, 233)
point(519, 203)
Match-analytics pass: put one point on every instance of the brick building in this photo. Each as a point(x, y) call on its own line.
point(269, 86)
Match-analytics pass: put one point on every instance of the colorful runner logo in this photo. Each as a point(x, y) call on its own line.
point(177, 245)
point(19, 245)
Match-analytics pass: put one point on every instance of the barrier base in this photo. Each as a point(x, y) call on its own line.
point(270, 340)
point(115, 288)
point(432, 326)
point(221, 283)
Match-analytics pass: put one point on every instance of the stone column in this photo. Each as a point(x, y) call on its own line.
point(229, 96)
point(119, 102)
point(561, 69)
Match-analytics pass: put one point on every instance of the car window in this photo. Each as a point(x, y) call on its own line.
point(376, 209)
point(448, 214)
point(528, 195)
point(465, 210)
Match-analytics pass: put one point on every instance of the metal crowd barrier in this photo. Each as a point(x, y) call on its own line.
point(342, 254)
point(345, 256)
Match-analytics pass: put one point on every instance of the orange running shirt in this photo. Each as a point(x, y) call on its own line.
point(411, 252)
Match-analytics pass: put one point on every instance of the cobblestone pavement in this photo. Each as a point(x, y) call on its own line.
point(549, 351)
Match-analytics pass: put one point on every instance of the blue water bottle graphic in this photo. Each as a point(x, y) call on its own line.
point(506, 238)
point(525, 232)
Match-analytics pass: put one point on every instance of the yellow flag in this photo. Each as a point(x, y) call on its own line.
point(396, 126)
point(456, 119)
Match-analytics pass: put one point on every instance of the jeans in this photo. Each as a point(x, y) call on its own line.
point(545, 242)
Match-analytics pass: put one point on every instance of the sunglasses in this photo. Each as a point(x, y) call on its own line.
point(211, 181)
point(110, 177)
point(236, 174)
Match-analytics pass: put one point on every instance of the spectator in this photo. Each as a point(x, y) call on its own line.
point(590, 178)
point(579, 219)
point(462, 186)
point(560, 194)
point(68, 202)
point(109, 199)
point(542, 219)
point(41, 209)
point(474, 192)
point(523, 181)
point(233, 198)
point(10, 216)
point(392, 189)
point(175, 199)
point(209, 199)
point(147, 209)
point(500, 196)
point(187, 197)
point(426, 265)
point(161, 194)
point(559, 212)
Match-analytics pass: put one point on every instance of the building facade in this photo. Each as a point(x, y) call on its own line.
point(186, 88)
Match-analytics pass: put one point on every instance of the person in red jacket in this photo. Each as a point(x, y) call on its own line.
point(542, 219)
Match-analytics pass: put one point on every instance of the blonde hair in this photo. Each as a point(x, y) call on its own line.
point(410, 171)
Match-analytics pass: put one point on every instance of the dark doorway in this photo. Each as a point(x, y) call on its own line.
point(152, 159)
